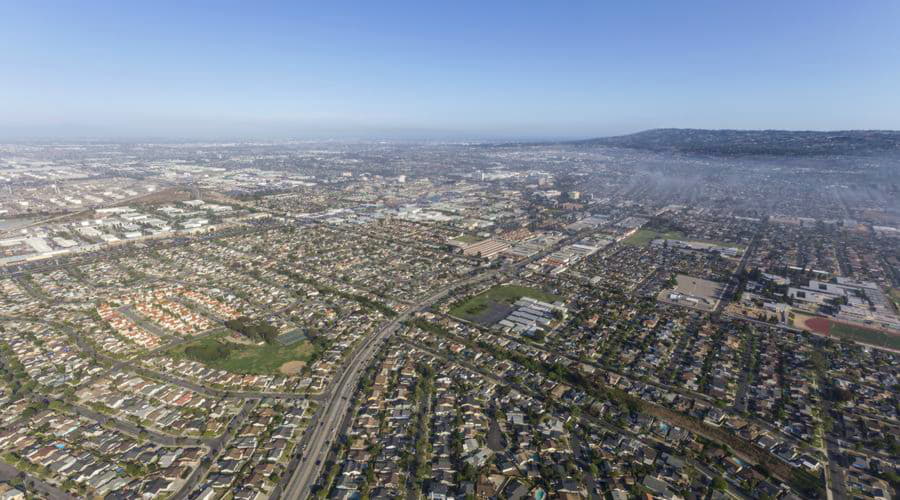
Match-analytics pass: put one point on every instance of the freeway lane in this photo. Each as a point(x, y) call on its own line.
point(325, 425)
point(326, 430)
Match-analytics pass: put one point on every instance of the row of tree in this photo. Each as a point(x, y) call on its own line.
point(255, 331)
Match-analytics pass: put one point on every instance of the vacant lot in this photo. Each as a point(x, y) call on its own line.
point(697, 287)
point(493, 305)
point(265, 359)
point(292, 367)
point(693, 292)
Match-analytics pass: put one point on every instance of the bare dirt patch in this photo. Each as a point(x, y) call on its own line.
point(818, 325)
point(165, 195)
point(292, 367)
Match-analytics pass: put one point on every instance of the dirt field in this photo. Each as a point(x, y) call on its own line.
point(292, 367)
point(693, 292)
point(165, 195)
point(818, 325)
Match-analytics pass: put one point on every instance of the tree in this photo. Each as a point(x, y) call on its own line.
point(719, 483)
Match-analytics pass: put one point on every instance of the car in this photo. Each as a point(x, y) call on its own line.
point(318, 462)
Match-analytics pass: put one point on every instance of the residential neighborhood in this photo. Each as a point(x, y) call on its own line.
point(537, 322)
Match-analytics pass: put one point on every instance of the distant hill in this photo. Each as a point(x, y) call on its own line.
point(756, 142)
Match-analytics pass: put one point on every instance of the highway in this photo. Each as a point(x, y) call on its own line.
point(327, 422)
point(309, 457)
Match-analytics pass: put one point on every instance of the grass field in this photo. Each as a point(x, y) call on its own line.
point(503, 294)
point(467, 239)
point(865, 335)
point(644, 236)
point(265, 359)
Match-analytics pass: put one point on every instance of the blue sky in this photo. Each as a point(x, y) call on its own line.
point(444, 69)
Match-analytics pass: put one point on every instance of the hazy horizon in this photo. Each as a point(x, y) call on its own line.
point(78, 134)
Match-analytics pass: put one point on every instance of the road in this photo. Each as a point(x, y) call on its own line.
point(333, 409)
point(326, 424)
point(33, 484)
point(115, 364)
point(834, 469)
point(216, 448)
point(731, 288)
point(650, 440)
point(104, 253)
point(128, 427)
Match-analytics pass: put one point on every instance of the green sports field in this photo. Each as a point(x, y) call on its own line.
point(481, 307)
point(266, 359)
point(644, 236)
point(864, 335)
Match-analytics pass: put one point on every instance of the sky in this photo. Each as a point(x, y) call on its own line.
point(443, 70)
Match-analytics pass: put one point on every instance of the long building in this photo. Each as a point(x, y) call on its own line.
point(486, 248)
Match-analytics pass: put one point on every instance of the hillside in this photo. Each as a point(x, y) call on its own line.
point(756, 142)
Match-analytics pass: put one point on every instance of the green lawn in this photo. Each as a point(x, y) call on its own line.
point(506, 294)
point(644, 236)
point(865, 335)
point(467, 238)
point(264, 359)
